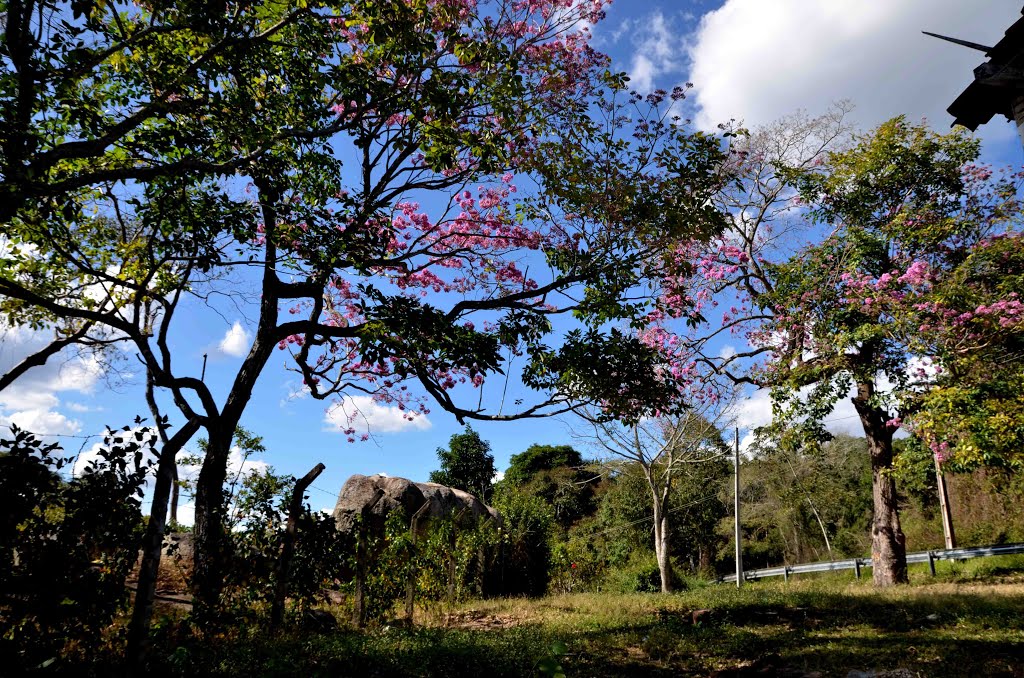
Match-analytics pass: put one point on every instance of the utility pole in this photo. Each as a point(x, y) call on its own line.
point(739, 546)
point(947, 517)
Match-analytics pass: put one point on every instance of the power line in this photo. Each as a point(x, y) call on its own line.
point(852, 416)
point(646, 518)
point(54, 435)
point(314, 487)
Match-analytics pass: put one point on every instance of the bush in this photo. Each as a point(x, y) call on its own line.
point(639, 575)
point(526, 546)
point(261, 511)
point(66, 547)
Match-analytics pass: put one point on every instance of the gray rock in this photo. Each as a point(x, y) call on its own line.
point(399, 493)
point(179, 545)
point(359, 490)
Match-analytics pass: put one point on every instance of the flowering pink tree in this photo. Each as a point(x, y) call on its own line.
point(455, 175)
point(878, 295)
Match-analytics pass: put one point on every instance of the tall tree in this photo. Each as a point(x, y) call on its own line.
point(466, 465)
point(556, 474)
point(448, 102)
point(663, 448)
point(891, 220)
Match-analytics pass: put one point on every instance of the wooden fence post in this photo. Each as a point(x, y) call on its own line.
point(288, 544)
point(359, 613)
point(410, 584)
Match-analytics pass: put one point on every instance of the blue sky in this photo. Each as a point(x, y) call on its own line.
point(752, 60)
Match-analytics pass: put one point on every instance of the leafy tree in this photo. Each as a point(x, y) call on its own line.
point(526, 529)
point(466, 465)
point(523, 467)
point(258, 515)
point(423, 101)
point(892, 220)
point(906, 212)
point(558, 475)
point(971, 319)
point(663, 449)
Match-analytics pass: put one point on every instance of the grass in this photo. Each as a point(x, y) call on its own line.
point(968, 621)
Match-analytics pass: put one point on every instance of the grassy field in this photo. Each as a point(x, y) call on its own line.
point(968, 621)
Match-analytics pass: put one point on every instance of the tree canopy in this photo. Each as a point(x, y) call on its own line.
point(466, 465)
point(536, 458)
point(883, 301)
point(349, 159)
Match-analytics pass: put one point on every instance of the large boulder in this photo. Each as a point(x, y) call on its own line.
point(447, 501)
point(359, 490)
point(399, 493)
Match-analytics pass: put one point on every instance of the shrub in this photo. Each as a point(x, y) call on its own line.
point(526, 557)
point(66, 547)
point(639, 575)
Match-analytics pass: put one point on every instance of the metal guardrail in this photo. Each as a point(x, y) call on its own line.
point(857, 564)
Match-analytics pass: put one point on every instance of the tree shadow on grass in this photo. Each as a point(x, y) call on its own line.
point(943, 635)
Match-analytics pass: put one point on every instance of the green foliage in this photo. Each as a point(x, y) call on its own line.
point(466, 465)
point(979, 417)
point(914, 468)
point(793, 499)
point(66, 546)
point(447, 561)
point(639, 574)
point(550, 665)
point(527, 527)
point(524, 466)
point(257, 523)
point(558, 475)
point(831, 626)
point(908, 215)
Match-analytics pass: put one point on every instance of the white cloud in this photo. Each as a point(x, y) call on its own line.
point(44, 421)
point(187, 514)
point(758, 61)
point(756, 410)
point(659, 52)
point(32, 401)
point(363, 414)
point(81, 408)
point(236, 341)
point(641, 73)
point(294, 392)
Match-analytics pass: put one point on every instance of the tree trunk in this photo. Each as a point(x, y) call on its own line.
point(888, 544)
point(159, 422)
point(661, 544)
point(175, 488)
point(152, 547)
point(211, 547)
